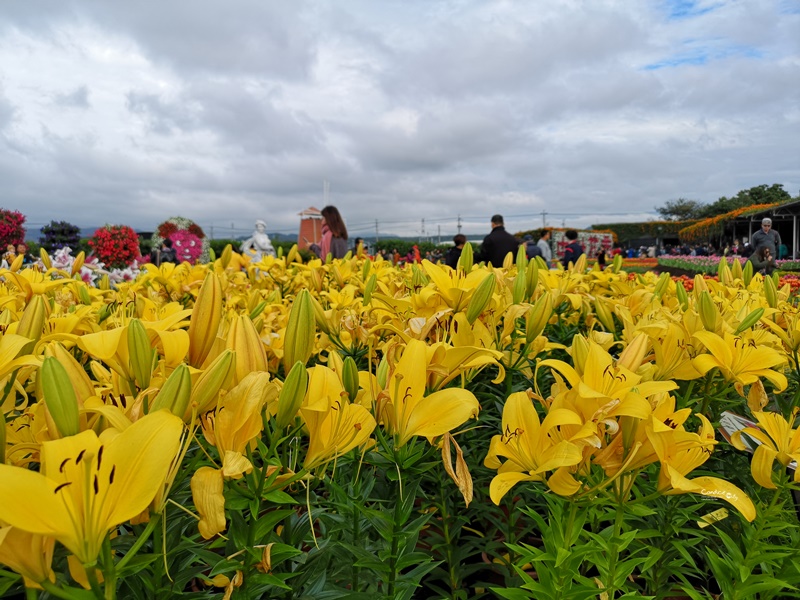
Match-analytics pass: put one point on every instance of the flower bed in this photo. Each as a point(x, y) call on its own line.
point(354, 428)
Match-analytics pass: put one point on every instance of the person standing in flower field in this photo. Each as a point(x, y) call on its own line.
point(498, 243)
point(767, 237)
point(334, 234)
point(574, 250)
point(544, 246)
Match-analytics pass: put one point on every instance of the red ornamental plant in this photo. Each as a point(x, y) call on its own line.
point(117, 246)
point(11, 229)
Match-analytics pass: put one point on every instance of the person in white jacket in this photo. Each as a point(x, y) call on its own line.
point(544, 244)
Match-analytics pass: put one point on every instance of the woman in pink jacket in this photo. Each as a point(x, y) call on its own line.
point(334, 234)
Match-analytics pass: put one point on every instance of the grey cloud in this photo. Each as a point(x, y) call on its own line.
point(78, 98)
point(199, 35)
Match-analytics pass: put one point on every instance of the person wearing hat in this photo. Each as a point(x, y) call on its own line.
point(766, 238)
point(532, 250)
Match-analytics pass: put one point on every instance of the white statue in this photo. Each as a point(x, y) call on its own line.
point(258, 245)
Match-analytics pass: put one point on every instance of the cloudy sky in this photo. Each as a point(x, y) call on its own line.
point(225, 112)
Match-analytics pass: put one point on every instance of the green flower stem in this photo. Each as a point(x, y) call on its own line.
point(31, 594)
point(396, 529)
point(109, 571)
point(140, 541)
point(63, 591)
point(91, 576)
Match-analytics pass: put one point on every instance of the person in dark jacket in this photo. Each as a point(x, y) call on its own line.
point(165, 254)
point(763, 261)
point(454, 253)
point(574, 249)
point(532, 250)
point(766, 237)
point(497, 244)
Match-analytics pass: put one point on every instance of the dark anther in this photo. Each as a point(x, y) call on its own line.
point(111, 475)
point(96, 487)
point(63, 485)
point(63, 464)
point(80, 456)
point(99, 457)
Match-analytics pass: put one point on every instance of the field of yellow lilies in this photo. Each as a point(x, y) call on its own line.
point(352, 429)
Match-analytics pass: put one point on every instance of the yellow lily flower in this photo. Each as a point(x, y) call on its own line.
point(739, 359)
point(407, 411)
point(334, 424)
point(680, 453)
point(529, 449)
point(89, 484)
point(237, 421)
point(614, 389)
point(455, 287)
point(778, 442)
point(28, 554)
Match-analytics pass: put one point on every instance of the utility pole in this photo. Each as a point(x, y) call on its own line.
point(440, 235)
point(211, 228)
point(459, 223)
point(376, 231)
point(233, 235)
point(544, 220)
point(422, 233)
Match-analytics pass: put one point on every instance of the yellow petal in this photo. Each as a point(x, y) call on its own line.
point(38, 508)
point(563, 483)
point(502, 482)
point(139, 474)
point(207, 496)
point(761, 466)
point(439, 413)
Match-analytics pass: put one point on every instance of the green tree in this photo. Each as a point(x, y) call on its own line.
point(681, 209)
point(760, 194)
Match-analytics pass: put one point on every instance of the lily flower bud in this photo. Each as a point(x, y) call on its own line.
point(350, 378)
point(604, 315)
point(538, 316)
point(747, 273)
point(175, 393)
point(45, 258)
point(465, 261)
point(78, 263)
point(770, 292)
point(631, 358)
point(724, 272)
point(205, 320)
point(522, 258)
point(31, 324)
point(616, 265)
point(662, 285)
point(292, 393)
point(520, 286)
point(298, 344)
point(143, 357)
point(708, 312)
point(682, 295)
point(750, 320)
point(736, 269)
point(217, 376)
point(382, 373)
point(369, 289)
point(251, 357)
point(481, 298)
point(59, 397)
